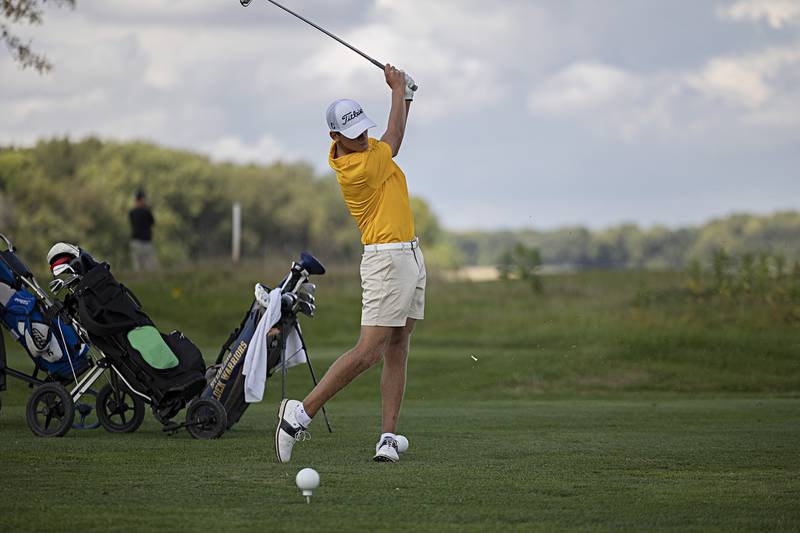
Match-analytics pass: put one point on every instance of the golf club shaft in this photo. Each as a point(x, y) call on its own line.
point(329, 34)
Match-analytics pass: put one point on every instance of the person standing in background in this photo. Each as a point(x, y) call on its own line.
point(143, 253)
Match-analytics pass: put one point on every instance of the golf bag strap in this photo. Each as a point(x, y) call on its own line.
point(233, 336)
point(227, 345)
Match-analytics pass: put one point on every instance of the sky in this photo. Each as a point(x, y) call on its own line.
point(530, 113)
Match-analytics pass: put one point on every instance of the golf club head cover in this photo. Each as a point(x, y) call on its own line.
point(262, 295)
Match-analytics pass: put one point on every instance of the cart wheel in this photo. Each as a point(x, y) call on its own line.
point(118, 410)
point(50, 410)
point(85, 413)
point(206, 418)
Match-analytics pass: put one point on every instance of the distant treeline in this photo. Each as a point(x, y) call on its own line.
point(629, 246)
point(82, 191)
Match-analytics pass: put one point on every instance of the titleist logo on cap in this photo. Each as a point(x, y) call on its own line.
point(347, 117)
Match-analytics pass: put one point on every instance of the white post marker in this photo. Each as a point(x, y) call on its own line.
point(307, 480)
point(236, 237)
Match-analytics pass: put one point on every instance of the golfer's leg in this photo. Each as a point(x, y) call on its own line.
point(393, 375)
point(348, 366)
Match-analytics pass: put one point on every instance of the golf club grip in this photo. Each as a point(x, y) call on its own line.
point(378, 64)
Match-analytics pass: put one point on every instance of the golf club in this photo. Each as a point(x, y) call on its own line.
point(372, 60)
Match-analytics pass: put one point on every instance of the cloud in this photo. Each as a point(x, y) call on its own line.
point(777, 13)
point(748, 81)
point(458, 51)
point(759, 89)
point(605, 98)
point(265, 150)
point(581, 87)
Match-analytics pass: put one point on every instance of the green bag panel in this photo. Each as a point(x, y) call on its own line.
point(149, 342)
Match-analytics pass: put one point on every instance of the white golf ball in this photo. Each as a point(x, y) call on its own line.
point(307, 480)
point(402, 443)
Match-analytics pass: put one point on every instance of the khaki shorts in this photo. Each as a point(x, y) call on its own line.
point(393, 284)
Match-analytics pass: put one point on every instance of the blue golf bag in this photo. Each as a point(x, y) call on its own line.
point(52, 344)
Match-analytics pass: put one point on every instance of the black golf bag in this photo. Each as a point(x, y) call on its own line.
point(226, 381)
point(167, 370)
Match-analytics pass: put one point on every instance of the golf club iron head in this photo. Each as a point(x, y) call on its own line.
point(306, 308)
point(305, 297)
point(59, 284)
point(56, 285)
point(309, 288)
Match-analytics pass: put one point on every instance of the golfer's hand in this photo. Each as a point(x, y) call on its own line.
point(409, 83)
point(395, 78)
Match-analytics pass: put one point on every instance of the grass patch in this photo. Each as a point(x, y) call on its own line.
point(660, 463)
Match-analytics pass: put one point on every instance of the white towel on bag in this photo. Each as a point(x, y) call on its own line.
point(255, 358)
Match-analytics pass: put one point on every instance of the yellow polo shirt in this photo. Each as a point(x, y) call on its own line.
point(375, 192)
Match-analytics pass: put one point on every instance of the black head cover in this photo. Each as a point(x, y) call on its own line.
point(311, 265)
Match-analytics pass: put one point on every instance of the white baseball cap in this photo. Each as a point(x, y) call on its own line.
point(348, 118)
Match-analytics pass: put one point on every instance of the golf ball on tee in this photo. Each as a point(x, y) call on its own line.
point(402, 443)
point(307, 480)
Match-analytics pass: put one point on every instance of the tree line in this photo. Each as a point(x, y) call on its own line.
point(81, 191)
point(630, 247)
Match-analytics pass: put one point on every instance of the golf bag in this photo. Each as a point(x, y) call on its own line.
point(52, 344)
point(227, 382)
point(285, 346)
point(168, 369)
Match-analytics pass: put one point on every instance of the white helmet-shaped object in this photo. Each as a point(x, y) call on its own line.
point(60, 256)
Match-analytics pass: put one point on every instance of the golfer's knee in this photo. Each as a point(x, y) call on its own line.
point(367, 356)
point(398, 343)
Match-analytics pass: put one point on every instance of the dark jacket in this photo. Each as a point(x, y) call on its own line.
point(141, 223)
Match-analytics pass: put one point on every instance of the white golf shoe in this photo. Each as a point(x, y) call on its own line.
point(289, 430)
point(386, 451)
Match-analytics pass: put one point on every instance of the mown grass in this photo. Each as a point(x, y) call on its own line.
point(579, 409)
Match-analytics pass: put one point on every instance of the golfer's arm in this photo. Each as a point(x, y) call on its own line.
point(397, 121)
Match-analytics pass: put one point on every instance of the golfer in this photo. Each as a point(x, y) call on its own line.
point(392, 268)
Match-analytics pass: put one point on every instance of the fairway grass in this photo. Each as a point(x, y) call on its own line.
point(626, 463)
